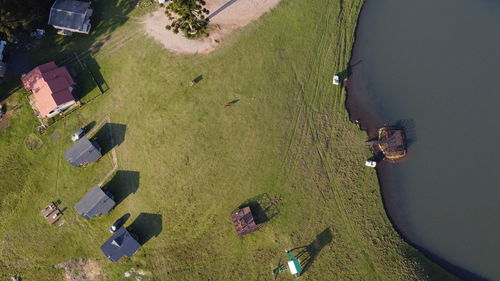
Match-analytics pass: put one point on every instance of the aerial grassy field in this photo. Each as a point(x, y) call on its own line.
point(186, 161)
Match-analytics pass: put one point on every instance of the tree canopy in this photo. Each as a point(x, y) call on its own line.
point(18, 17)
point(188, 17)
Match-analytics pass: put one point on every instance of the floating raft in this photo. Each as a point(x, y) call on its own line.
point(392, 143)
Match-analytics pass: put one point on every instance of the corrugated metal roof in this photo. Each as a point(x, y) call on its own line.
point(82, 152)
point(120, 244)
point(243, 221)
point(69, 14)
point(96, 202)
point(50, 86)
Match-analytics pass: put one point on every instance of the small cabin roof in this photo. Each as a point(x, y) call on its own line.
point(122, 243)
point(243, 221)
point(96, 202)
point(82, 152)
point(69, 13)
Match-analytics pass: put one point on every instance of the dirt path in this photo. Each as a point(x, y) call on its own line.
point(225, 17)
point(106, 120)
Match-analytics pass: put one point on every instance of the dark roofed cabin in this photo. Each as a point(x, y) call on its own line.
point(243, 221)
point(122, 243)
point(71, 16)
point(83, 152)
point(95, 203)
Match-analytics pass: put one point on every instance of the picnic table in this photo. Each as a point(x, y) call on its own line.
point(51, 213)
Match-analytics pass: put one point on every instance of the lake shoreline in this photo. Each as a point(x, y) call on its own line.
point(359, 113)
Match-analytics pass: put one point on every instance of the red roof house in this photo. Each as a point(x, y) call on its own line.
point(51, 87)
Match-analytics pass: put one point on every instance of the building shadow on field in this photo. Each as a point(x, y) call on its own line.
point(263, 207)
point(146, 226)
point(107, 141)
point(123, 184)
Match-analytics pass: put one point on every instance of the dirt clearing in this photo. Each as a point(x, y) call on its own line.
point(225, 17)
point(81, 270)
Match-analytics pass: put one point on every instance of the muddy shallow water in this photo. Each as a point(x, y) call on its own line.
point(433, 67)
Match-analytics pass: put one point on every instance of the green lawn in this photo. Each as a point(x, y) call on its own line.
point(191, 161)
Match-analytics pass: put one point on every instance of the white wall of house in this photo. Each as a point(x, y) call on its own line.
point(61, 108)
point(65, 106)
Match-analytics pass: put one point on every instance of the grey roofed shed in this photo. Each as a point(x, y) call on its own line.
point(71, 15)
point(83, 152)
point(96, 202)
point(122, 243)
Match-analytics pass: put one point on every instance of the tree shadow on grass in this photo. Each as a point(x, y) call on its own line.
point(122, 185)
point(146, 226)
point(107, 142)
point(308, 254)
point(263, 207)
point(9, 86)
point(107, 16)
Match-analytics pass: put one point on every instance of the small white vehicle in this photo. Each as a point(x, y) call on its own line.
point(78, 134)
point(371, 163)
point(336, 80)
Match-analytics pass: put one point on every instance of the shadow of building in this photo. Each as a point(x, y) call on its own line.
point(122, 185)
point(263, 207)
point(146, 226)
point(109, 138)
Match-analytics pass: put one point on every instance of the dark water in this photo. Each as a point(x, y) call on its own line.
point(433, 67)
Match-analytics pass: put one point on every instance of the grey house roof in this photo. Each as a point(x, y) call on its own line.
point(71, 15)
point(83, 152)
point(96, 202)
point(120, 244)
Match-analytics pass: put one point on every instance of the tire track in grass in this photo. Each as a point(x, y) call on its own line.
point(307, 120)
point(122, 41)
point(297, 139)
point(338, 198)
point(305, 125)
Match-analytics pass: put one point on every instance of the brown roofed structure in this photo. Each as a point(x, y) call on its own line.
point(392, 142)
point(243, 221)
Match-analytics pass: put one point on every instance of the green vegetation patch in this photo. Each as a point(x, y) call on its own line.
point(186, 160)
